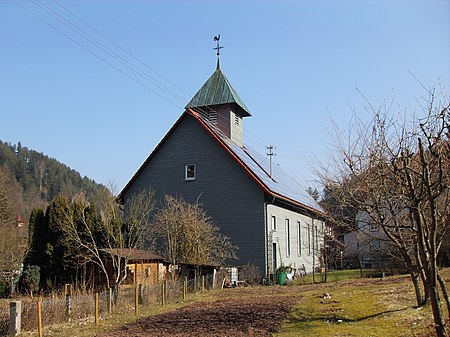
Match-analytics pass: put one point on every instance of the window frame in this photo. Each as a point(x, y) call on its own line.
point(186, 171)
point(309, 239)
point(288, 237)
point(274, 222)
point(373, 227)
point(317, 238)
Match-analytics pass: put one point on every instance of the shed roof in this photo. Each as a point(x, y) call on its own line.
point(134, 254)
point(217, 90)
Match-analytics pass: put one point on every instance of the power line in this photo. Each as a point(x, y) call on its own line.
point(96, 55)
point(106, 49)
point(122, 49)
point(249, 137)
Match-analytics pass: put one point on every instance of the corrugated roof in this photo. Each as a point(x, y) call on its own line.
point(217, 90)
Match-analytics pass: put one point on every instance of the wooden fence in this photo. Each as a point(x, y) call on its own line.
point(34, 314)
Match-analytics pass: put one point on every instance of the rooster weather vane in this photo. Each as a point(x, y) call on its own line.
point(218, 48)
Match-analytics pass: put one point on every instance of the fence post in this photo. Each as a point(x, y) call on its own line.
point(109, 300)
point(203, 283)
point(195, 282)
point(39, 312)
point(184, 289)
point(162, 294)
point(96, 309)
point(68, 307)
point(141, 293)
point(15, 315)
point(136, 300)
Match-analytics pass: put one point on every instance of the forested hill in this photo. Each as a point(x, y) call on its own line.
point(41, 178)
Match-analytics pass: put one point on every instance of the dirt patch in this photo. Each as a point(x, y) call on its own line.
point(245, 316)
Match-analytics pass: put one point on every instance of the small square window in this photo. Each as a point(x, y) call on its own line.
point(190, 172)
point(373, 227)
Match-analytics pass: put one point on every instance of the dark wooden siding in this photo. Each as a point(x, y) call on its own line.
point(230, 196)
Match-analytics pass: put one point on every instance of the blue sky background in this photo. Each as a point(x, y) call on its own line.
point(295, 64)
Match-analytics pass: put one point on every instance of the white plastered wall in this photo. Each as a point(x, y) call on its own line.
point(304, 249)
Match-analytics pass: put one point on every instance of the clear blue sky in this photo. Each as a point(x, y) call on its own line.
point(295, 64)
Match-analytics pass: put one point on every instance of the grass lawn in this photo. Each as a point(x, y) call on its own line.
point(363, 307)
point(336, 275)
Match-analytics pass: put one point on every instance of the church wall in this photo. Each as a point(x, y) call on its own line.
point(230, 196)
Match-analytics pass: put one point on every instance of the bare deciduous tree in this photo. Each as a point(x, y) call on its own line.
point(184, 234)
point(13, 241)
point(398, 173)
point(138, 216)
point(97, 234)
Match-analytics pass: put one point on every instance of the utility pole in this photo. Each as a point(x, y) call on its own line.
point(270, 148)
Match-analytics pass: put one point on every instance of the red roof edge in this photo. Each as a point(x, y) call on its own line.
point(194, 114)
point(222, 143)
point(249, 171)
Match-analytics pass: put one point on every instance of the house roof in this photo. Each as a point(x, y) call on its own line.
point(134, 254)
point(217, 90)
point(279, 185)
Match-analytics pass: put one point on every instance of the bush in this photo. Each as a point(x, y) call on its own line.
point(30, 279)
point(4, 288)
point(250, 274)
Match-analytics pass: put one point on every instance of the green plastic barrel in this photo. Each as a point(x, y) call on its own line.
point(282, 278)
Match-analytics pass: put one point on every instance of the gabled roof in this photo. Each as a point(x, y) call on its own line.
point(280, 185)
point(217, 90)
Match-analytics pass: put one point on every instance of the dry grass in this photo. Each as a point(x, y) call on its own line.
point(362, 307)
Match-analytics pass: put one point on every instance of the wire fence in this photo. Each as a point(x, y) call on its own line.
point(128, 300)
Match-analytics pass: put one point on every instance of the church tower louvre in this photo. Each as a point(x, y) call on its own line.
point(220, 104)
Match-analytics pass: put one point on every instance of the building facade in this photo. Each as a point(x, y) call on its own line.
point(265, 213)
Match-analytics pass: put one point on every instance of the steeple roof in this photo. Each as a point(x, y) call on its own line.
point(217, 90)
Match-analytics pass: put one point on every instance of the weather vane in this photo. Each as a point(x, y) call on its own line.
point(218, 48)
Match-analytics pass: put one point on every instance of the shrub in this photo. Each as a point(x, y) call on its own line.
point(30, 279)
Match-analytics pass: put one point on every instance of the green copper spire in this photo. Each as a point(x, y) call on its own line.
point(217, 90)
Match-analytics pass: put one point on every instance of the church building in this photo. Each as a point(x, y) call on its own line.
point(264, 211)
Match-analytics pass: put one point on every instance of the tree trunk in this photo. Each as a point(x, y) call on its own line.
point(423, 277)
point(444, 292)
point(415, 273)
point(417, 289)
point(437, 312)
